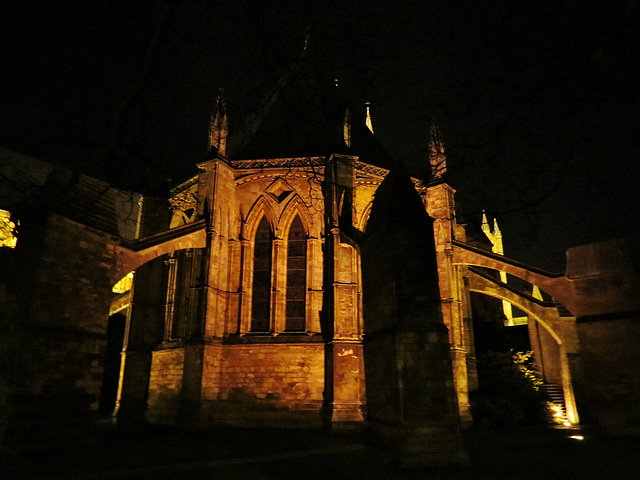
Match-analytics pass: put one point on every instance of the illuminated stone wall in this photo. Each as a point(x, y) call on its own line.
point(456, 310)
point(610, 377)
point(74, 263)
point(279, 375)
point(57, 304)
point(259, 378)
point(165, 384)
point(239, 369)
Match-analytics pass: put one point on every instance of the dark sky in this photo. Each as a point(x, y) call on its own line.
point(538, 104)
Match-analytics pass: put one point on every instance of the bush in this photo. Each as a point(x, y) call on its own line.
point(509, 392)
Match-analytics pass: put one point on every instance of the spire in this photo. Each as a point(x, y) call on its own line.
point(218, 126)
point(485, 224)
point(437, 157)
point(497, 238)
point(496, 229)
point(494, 236)
point(368, 120)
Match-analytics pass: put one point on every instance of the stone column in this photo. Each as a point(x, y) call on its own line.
point(441, 207)
point(413, 418)
point(144, 331)
point(344, 368)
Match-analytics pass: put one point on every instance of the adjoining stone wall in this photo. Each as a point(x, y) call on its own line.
point(238, 383)
point(610, 366)
point(289, 376)
point(59, 306)
point(546, 353)
point(165, 384)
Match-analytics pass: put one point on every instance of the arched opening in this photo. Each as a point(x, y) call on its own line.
point(261, 291)
point(112, 358)
point(296, 277)
point(547, 345)
point(153, 310)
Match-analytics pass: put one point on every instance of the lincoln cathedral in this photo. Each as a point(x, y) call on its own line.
point(301, 278)
point(265, 323)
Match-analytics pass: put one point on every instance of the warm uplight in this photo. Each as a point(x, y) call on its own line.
point(7, 229)
point(577, 437)
point(125, 284)
point(557, 414)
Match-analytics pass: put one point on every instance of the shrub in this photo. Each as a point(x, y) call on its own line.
point(509, 392)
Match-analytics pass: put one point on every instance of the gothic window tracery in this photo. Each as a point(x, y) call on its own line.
point(296, 277)
point(261, 292)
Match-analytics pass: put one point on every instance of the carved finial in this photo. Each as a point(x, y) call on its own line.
point(437, 157)
point(496, 229)
point(368, 120)
point(219, 126)
point(495, 236)
point(485, 225)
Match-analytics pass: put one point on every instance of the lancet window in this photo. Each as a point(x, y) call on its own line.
point(296, 277)
point(261, 294)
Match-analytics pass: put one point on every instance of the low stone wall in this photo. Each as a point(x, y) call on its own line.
point(283, 376)
point(238, 384)
point(165, 385)
point(609, 359)
point(264, 385)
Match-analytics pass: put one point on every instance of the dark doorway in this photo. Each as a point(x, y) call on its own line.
point(111, 375)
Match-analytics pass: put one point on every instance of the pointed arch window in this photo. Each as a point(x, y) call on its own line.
point(296, 277)
point(261, 303)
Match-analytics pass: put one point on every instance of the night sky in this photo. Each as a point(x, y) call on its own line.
point(538, 104)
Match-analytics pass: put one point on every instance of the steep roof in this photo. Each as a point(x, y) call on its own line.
point(302, 117)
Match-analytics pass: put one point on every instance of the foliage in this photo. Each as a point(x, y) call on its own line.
point(509, 392)
point(523, 361)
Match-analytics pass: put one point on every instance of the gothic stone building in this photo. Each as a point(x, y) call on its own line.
point(264, 325)
point(243, 299)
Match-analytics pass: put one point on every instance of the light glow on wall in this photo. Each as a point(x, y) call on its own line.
point(124, 284)
point(7, 229)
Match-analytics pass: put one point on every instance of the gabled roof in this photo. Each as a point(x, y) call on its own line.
point(304, 117)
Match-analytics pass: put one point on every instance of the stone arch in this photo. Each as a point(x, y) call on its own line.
point(543, 316)
point(295, 207)
point(556, 284)
point(131, 257)
point(364, 218)
point(261, 207)
point(526, 306)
